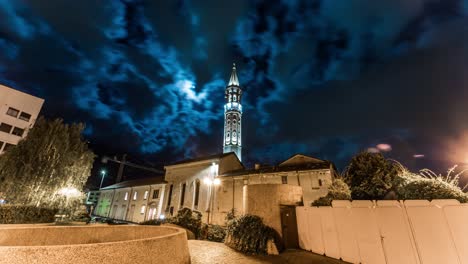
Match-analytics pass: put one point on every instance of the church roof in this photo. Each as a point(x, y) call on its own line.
point(205, 158)
point(134, 183)
point(273, 169)
point(296, 162)
point(234, 81)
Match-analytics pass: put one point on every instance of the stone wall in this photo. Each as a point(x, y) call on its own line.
point(264, 200)
point(93, 244)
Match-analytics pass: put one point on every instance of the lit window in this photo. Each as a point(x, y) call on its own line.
point(126, 196)
point(12, 112)
point(156, 193)
point(143, 209)
point(25, 116)
point(145, 196)
point(135, 195)
point(5, 128)
point(18, 131)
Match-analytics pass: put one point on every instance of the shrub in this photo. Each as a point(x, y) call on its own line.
point(153, 222)
point(338, 190)
point(428, 186)
point(370, 176)
point(189, 219)
point(249, 235)
point(21, 214)
point(215, 233)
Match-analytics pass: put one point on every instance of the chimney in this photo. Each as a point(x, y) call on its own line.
point(257, 166)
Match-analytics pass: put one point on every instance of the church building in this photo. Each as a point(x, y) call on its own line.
point(218, 184)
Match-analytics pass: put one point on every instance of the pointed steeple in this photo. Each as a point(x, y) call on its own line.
point(233, 80)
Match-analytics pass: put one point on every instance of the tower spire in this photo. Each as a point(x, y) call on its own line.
point(233, 80)
point(232, 141)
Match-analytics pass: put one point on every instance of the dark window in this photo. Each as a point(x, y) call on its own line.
point(8, 146)
point(1, 144)
point(12, 112)
point(182, 195)
point(320, 182)
point(18, 131)
point(25, 116)
point(156, 194)
point(5, 128)
point(197, 193)
point(170, 196)
point(284, 179)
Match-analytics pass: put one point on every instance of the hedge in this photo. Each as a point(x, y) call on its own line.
point(22, 214)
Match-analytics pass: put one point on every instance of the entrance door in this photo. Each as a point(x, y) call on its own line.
point(289, 226)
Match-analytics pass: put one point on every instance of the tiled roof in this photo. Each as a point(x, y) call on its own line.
point(134, 183)
point(210, 157)
point(272, 169)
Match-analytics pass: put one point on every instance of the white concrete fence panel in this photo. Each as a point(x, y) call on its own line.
point(390, 232)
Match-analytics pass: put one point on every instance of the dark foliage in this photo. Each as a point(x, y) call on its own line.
point(370, 176)
point(338, 190)
point(249, 235)
point(21, 214)
point(215, 233)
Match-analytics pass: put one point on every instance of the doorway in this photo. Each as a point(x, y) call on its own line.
point(289, 226)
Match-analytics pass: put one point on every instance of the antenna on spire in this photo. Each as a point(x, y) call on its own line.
point(233, 80)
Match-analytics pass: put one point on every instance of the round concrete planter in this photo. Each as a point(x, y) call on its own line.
point(93, 244)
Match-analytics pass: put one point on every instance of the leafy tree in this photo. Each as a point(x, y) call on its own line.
point(338, 190)
point(53, 156)
point(370, 176)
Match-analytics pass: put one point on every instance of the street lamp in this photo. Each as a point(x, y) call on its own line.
point(103, 173)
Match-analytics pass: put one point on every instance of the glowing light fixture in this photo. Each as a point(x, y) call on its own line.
point(207, 181)
point(216, 181)
point(69, 192)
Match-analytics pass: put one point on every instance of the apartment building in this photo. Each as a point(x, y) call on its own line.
point(18, 113)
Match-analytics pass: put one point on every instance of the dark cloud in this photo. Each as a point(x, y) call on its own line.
point(327, 78)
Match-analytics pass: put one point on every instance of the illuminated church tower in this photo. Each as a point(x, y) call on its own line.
point(232, 116)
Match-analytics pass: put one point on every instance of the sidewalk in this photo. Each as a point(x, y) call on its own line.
point(203, 252)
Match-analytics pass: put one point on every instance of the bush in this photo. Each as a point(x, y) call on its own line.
point(153, 222)
point(338, 190)
point(215, 233)
point(249, 235)
point(429, 186)
point(21, 214)
point(188, 219)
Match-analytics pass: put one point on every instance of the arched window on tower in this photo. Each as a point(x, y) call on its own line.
point(235, 98)
point(234, 136)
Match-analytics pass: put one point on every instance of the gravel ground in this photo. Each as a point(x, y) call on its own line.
point(204, 252)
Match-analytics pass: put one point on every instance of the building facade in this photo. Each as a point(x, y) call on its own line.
point(133, 201)
point(232, 140)
point(191, 183)
point(18, 113)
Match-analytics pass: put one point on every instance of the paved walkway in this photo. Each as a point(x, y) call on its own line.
point(217, 253)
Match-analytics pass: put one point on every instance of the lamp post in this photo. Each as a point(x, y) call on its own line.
point(103, 173)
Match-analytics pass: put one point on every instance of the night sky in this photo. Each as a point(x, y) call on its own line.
point(324, 78)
